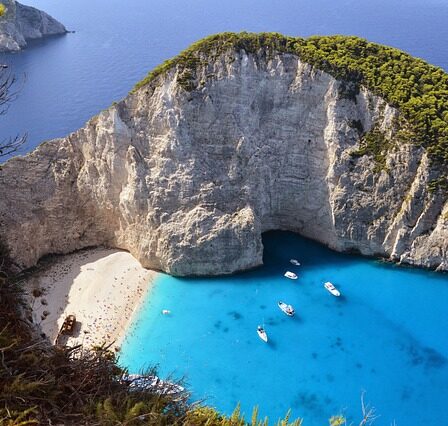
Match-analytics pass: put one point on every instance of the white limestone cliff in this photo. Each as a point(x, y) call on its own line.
point(21, 23)
point(187, 181)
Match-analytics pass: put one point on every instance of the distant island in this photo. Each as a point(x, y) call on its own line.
point(20, 23)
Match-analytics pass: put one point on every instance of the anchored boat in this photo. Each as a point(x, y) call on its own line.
point(287, 309)
point(262, 334)
point(332, 289)
point(291, 275)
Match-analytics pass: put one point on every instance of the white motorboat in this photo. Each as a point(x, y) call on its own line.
point(166, 311)
point(294, 262)
point(332, 289)
point(291, 275)
point(262, 334)
point(287, 309)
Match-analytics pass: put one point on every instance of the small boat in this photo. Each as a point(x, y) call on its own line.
point(332, 289)
point(287, 309)
point(166, 311)
point(294, 262)
point(290, 275)
point(262, 334)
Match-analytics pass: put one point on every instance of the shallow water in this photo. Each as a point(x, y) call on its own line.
point(387, 336)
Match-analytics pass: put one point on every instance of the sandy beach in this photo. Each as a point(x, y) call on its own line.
point(101, 287)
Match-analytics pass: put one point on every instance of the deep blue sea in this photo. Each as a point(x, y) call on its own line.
point(387, 335)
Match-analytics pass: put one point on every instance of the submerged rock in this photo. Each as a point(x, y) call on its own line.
point(188, 176)
point(21, 23)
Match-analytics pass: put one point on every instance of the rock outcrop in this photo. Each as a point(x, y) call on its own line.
point(21, 23)
point(188, 180)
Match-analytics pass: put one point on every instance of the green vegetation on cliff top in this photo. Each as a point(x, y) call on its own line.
point(419, 90)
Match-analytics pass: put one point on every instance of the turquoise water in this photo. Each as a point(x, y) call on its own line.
point(386, 336)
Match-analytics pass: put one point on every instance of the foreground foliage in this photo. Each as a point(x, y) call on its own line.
point(419, 90)
point(40, 383)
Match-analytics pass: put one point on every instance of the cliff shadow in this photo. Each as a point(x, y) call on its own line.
point(278, 248)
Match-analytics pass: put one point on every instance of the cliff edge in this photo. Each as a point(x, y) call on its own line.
point(225, 142)
point(20, 23)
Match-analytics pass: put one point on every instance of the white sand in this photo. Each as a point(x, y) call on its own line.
point(102, 287)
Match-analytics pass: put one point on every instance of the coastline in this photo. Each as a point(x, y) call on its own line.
point(103, 288)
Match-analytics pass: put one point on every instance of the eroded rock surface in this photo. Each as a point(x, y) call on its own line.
point(188, 180)
point(21, 23)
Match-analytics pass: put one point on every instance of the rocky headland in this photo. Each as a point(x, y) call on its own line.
point(239, 135)
point(20, 23)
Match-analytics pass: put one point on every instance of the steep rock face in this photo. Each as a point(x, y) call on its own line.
point(188, 180)
point(21, 23)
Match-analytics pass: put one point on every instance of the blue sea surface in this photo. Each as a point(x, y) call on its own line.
point(387, 336)
point(68, 79)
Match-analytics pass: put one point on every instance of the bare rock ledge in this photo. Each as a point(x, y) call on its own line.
point(188, 181)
